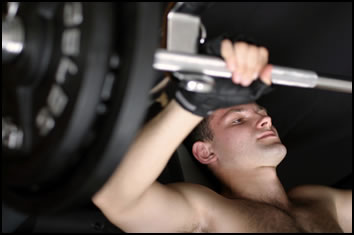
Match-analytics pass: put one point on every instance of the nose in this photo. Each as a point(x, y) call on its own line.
point(265, 122)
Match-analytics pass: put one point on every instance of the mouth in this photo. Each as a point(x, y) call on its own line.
point(267, 134)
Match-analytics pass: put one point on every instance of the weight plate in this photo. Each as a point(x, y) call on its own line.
point(82, 101)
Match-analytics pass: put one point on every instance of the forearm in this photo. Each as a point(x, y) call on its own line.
point(148, 155)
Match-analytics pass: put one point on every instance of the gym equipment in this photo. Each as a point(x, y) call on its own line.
point(74, 77)
point(210, 66)
point(69, 103)
point(186, 30)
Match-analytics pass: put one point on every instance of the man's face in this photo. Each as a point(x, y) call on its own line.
point(245, 138)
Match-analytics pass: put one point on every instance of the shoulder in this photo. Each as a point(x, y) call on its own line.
point(319, 192)
point(336, 200)
point(308, 190)
point(314, 196)
point(339, 200)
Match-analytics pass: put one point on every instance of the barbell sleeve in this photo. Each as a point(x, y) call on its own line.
point(213, 66)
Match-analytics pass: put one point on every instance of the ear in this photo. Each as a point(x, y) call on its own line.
point(202, 151)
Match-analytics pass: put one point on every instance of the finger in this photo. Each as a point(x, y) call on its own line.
point(246, 83)
point(227, 52)
point(240, 50)
point(261, 63)
point(252, 65)
point(266, 74)
point(263, 55)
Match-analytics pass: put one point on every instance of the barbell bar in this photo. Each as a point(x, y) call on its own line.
point(181, 62)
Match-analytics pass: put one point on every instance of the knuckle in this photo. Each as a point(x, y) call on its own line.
point(240, 45)
point(226, 48)
point(225, 41)
point(225, 52)
point(253, 49)
point(226, 44)
point(264, 51)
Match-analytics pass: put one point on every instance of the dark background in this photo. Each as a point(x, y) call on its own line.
point(315, 125)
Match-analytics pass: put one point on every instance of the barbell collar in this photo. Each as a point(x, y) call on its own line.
point(13, 38)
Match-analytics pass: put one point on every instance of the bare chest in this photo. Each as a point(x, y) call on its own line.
point(315, 218)
point(256, 217)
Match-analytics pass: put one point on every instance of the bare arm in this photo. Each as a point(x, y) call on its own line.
point(132, 198)
point(343, 202)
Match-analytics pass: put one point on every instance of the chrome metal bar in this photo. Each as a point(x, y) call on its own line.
point(334, 84)
point(213, 66)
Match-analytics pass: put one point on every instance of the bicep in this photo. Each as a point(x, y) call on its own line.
point(160, 209)
point(343, 202)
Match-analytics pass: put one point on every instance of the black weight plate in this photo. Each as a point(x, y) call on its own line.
point(32, 173)
point(72, 163)
point(52, 151)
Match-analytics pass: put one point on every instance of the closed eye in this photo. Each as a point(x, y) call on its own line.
point(237, 121)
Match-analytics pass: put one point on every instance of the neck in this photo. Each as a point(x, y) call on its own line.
point(260, 184)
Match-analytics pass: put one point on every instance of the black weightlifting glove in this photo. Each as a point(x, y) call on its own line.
point(224, 94)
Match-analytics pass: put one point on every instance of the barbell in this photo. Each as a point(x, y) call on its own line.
point(75, 82)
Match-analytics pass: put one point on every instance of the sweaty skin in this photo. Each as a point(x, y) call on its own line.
point(243, 154)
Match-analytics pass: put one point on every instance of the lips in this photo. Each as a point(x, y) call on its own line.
point(266, 134)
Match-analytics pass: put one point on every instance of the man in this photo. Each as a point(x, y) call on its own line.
point(242, 150)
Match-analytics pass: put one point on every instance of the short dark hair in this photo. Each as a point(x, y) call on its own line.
point(201, 132)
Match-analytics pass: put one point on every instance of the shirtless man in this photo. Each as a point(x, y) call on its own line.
point(243, 153)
